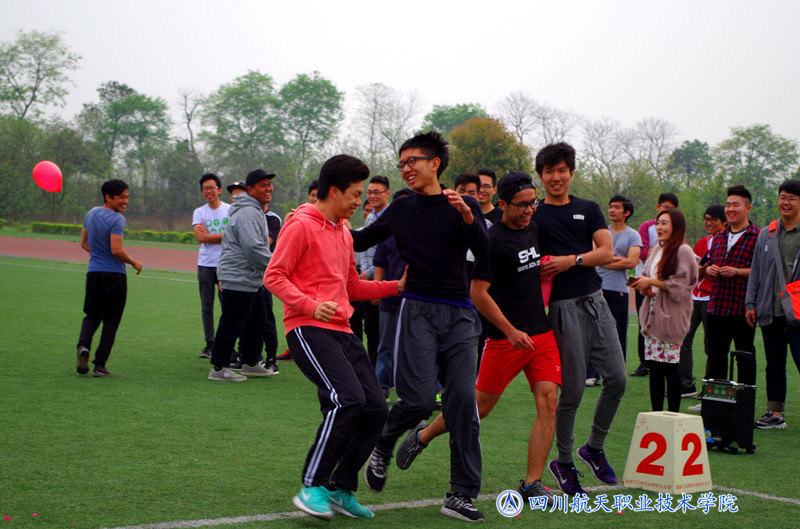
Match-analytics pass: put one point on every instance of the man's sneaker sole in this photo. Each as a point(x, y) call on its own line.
point(410, 448)
point(455, 514)
point(82, 366)
point(781, 426)
point(321, 515)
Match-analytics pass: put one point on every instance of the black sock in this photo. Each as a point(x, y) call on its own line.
point(593, 450)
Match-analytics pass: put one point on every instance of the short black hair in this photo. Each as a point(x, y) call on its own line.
point(740, 191)
point(627, 205)
point(380, 179)
point(553, 154)
point(488, 172)
point(113, 188)
point(467, 178)
point(668, 197)
point(433, 145)
point(340, 171)
point(790, 186)
point(312, 186)
point(716, 211)
point(210, 176)
point(405, 192)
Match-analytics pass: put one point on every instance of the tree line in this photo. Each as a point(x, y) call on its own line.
point(161, 149)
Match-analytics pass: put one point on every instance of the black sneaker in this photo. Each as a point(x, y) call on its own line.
point(101, 371)
point(375, 470)
point(273, 366)
point(535, 490)
point(770, 421)
point(205, 353)
point(410, 448)
point(83, 360)
point(460, 506)
point(641, 371)
point(285, 356)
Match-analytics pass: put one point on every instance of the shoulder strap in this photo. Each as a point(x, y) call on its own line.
point(776, 254)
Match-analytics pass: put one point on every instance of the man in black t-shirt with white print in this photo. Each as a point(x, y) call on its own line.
point(573, 231)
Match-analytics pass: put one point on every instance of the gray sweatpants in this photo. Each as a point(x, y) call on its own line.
point(586, 332)
point(436, 340)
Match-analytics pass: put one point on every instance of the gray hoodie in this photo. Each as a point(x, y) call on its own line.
point(245, 246)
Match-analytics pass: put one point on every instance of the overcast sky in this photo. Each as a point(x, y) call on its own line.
point(702, 65)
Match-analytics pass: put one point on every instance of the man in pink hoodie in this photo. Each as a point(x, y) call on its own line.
point(313, 272)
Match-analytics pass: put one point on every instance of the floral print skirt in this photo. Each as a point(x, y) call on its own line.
point(660, 351)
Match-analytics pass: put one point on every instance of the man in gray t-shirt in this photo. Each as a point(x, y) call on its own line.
point(627, 246)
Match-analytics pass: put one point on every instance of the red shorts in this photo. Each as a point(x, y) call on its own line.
point(500, 363)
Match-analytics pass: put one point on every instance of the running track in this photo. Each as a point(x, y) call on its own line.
point(160, 258)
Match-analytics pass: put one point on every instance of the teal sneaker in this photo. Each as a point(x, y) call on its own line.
point(314, 501)
point(342, 501)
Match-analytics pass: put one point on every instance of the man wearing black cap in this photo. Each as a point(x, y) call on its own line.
point(245, 256)
point(506, 289)
point(209, 222)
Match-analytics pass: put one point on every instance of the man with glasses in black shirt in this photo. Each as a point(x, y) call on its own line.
point(437, 324)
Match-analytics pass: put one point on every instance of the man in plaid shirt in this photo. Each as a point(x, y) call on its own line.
point(729, 264)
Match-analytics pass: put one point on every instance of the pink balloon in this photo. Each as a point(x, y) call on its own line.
point(47, 175)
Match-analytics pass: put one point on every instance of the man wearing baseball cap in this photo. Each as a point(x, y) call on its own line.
point(245, 256)
point(506, 289)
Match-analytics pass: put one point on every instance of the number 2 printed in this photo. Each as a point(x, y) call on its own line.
point(690, 468)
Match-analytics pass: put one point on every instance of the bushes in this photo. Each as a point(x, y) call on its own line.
point(145, 235)
point(55, 228)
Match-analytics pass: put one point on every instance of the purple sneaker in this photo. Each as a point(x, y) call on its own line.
point(567, 478)
point(598, 464)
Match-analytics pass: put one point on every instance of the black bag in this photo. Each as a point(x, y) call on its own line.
point(729, 407)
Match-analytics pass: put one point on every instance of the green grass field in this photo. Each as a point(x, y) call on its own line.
point(157, 442)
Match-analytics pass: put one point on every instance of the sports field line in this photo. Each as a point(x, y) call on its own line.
point(83, 271)
point(399, 505)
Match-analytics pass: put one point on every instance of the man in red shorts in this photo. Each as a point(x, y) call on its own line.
point(506, 289)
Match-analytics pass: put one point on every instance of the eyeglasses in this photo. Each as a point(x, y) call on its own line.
point(209, 188)
point(374, 192)
point(412, 160)
point(486, 186)
point(522, 206)
point(788, 198)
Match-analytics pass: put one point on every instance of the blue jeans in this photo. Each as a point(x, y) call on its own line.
point(777, 336)
point(383, 366)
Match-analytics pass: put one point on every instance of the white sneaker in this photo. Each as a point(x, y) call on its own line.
point(591, 382)
point(257, 370)
point(225, 374)
point(697, 408)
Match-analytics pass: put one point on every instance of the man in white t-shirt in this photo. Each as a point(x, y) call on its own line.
point(209, 223)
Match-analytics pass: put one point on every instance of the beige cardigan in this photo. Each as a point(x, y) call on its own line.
point(670, 316)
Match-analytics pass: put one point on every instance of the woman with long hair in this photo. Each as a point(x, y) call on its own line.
point(667, 279)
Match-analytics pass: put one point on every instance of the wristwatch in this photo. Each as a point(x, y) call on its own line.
point(579, 260)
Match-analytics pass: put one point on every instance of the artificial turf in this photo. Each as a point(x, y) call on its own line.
point(157, 442)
